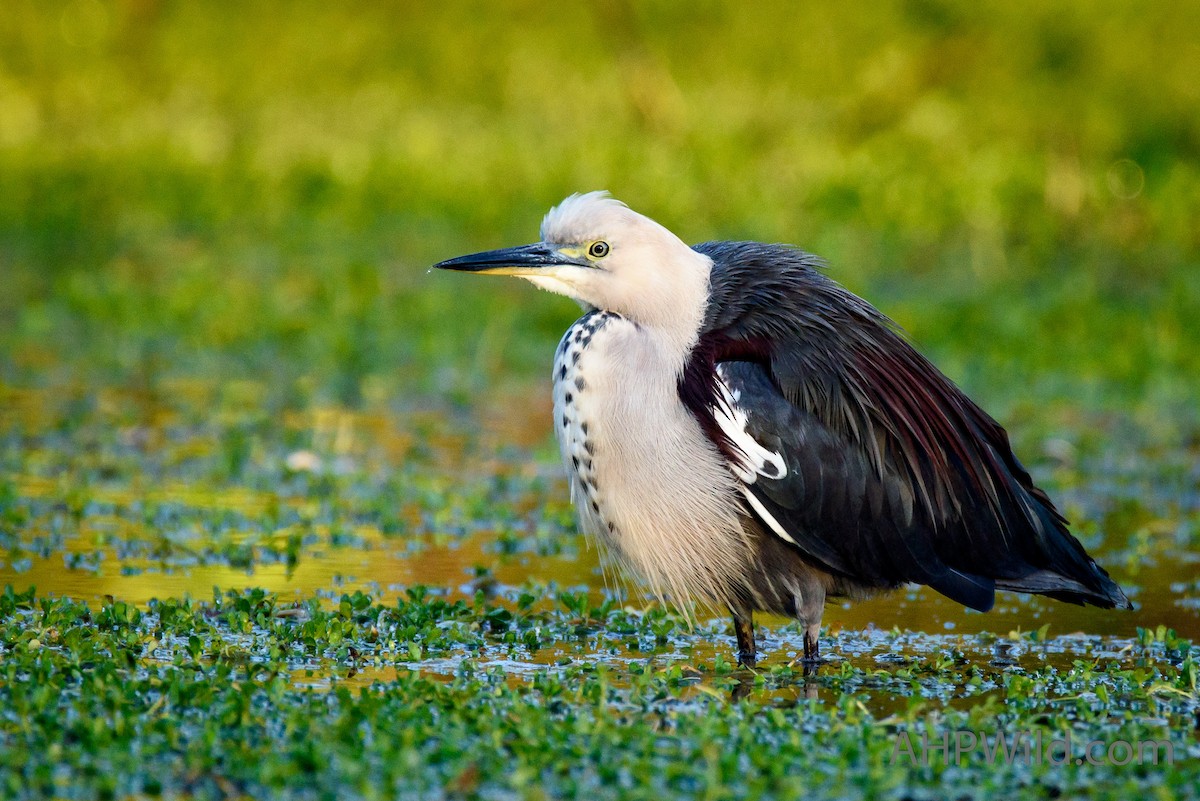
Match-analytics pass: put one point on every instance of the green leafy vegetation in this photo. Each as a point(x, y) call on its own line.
point(210, 700)
point(280, 515)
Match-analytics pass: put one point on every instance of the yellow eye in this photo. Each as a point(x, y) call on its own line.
point(598, 250)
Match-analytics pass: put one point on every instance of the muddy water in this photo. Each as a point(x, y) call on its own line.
point(81, 469)
point(1163, 594)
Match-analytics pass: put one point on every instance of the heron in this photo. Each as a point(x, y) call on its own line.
point(743, 433)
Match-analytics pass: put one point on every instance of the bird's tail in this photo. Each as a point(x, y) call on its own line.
point(1103, 592)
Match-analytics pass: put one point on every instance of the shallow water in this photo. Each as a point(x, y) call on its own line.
point(117, 494)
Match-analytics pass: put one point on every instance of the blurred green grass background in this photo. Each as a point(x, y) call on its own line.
point(255, 190)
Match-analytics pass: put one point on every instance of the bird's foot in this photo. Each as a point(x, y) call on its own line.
point(810, 667)
point(743, 627)
point(812, 648)
point(811, 660)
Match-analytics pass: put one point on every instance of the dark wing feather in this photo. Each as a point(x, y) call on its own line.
point(894, 475)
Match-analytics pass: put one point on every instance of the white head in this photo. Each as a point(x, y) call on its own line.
point(598, 251)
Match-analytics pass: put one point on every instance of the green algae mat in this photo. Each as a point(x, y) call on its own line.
point(280, 512)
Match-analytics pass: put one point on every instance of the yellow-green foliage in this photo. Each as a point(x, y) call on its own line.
point(215, 224)
point(269, 180)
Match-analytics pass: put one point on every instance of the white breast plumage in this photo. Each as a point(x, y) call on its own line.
point(645, 481)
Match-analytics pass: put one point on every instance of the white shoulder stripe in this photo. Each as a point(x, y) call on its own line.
point(732, 419)
point(766, 516)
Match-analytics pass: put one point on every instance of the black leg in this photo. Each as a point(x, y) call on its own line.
point(812, 648)
point(812, 651)
point(743, 626)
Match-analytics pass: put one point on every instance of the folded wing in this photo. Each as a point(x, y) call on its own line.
point(859, 452)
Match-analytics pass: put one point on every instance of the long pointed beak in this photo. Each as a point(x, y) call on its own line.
point(523, 260)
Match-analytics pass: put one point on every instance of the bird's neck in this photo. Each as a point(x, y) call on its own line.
point(678, 328)
point(677, 340)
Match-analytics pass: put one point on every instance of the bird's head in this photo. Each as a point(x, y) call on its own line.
point(603, 254)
